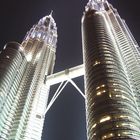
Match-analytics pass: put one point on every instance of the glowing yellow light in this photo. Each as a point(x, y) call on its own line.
point(96, 63)
point(94, 126)
point(102, 85)
point(122, 116)
point(107, 136)
point(98, 93)
point(104, 119)
point(123, 124)
point(118, 95)
point(119, 134)
point(97, 87)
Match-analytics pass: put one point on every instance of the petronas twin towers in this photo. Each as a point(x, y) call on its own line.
point(112, 77)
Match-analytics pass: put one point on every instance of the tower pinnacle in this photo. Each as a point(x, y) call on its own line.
point(51, 13)
point(96, 5)
point(46, 26)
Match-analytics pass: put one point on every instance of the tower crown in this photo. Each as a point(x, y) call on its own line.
point(98, 5)
point(47, 21)
point(45, 30)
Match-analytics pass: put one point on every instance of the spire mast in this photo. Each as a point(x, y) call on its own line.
point(51, 13)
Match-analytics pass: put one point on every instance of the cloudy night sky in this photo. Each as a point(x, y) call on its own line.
point(66, 119)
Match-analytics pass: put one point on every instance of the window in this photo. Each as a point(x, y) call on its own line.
point(107, 136)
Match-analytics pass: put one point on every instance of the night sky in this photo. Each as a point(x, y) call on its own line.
point(66, 119)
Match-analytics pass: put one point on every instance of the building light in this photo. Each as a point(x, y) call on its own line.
point(122, 96)
point(124, 124)
point(102, 85)
point(123, 116)
point(118, 95)
point(104, 119)
point(104, 137)
point(114, 84)
point(4, 47)
point(104, 91)
point(96, 63)
point(110, 95)
point(29, 57)
point(119, 135)
point(94, 126)
point(107, 136)
point(98, 93)
point(97, 87)
point(7, 56)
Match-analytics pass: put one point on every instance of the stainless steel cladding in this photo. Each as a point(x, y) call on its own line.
point(24, 94)
point(112, 109)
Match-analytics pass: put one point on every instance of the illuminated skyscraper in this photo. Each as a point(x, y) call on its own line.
point(112, 74)
point(112, 78)
point(23, 93)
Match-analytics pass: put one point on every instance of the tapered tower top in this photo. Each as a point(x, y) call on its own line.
point(47, 21)
point(98, 5)
point(44, 30)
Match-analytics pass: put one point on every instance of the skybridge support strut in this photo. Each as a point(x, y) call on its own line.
point(64, 77)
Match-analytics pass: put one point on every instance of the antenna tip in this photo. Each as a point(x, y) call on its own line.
point(51, 13)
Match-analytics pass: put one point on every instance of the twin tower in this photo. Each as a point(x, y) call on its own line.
point(112, 77)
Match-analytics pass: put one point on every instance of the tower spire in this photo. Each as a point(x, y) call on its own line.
point(51, 13)
point(46, 26)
